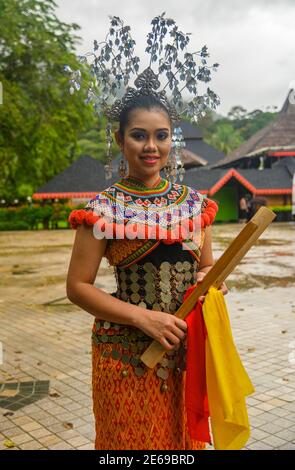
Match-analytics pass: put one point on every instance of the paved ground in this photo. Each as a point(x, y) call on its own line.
point(45, 375)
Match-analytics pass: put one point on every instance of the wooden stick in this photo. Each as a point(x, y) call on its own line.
point(217, 274)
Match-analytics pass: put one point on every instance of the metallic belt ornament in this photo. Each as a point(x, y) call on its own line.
point(217, 274)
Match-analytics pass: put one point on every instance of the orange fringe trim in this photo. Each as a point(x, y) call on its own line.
point(209, 210)
point(116, 252)
point(78, 216)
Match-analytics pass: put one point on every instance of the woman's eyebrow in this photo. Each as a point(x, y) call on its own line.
point(144, 130)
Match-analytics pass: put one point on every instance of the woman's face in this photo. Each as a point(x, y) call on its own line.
point(147, 142)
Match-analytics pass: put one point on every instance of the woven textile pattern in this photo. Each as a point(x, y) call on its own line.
point(131, 413)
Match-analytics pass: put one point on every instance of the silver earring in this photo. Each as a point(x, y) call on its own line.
point(174, 168)
point(109, 165)
point(122, 170)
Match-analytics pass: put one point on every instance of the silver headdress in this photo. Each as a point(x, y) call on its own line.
point(117, 83)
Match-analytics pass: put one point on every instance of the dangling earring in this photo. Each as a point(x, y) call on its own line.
point(174, 167)
point(109, 165)
point(122, 170)
point(169, 169)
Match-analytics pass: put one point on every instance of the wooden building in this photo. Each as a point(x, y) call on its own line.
point(263, 166)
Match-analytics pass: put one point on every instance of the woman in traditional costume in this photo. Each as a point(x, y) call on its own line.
point(145, 226)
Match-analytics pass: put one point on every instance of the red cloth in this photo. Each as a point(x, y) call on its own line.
point(196, 399)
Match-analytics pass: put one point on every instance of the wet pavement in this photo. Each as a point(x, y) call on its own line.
point(45, 377)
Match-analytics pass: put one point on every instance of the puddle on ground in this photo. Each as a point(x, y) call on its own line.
point(22, 269)
point(281, 253)
point(53, 308)
point(246, 282)
point(225, 241)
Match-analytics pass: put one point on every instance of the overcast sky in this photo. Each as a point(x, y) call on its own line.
point(253, 40)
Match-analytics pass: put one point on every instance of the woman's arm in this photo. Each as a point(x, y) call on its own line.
point(85, 261)
point(207, 260)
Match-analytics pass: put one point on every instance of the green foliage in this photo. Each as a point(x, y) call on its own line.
point(11, 218)
point(237, 113)
point(287, 208)
point(30, 217)
point(24, 190)
point(228, 133)
point(225, 138)
point(247, 123)
point(93, 141)
point(17, 225)
point(39, 120)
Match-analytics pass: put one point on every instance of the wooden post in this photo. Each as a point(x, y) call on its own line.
point(217, 274)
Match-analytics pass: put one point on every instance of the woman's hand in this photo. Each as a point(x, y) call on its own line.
point(200, 277)
point(164, 327)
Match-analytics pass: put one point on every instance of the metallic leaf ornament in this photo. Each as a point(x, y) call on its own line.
point(117, 80)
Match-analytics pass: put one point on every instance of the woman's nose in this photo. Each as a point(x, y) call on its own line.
point(150, 145)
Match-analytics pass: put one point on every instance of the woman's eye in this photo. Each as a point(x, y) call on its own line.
point(138, 136)
point(162, 136)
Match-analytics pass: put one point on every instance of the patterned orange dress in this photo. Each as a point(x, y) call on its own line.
point(137, 408)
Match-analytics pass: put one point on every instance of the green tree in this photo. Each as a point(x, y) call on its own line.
point(225, 138)
point(247, 123)
point(93, 141)
point(228, 132)
point(237, 113)
point(255, 121)
point(39, 120)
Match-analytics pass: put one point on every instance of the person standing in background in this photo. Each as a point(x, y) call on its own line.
point(243, 210)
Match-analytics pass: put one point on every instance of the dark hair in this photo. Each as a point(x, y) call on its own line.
point(141, 102)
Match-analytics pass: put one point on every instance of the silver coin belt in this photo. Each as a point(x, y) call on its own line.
point(158, 288)
point(154, 288)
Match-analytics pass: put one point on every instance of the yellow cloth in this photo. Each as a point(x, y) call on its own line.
point(227, 381)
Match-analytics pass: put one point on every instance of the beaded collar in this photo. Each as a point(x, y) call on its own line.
point(130, 198)
point(137, 187)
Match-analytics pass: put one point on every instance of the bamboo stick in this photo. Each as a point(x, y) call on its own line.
point(217, 274)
